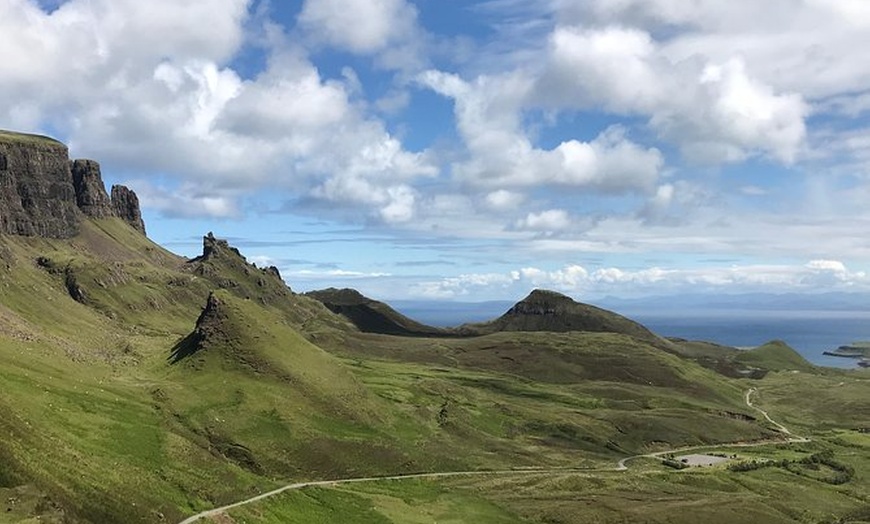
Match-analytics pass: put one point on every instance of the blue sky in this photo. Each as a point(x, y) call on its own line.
point(473, 150)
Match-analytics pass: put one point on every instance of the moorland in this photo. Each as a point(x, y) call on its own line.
point(142, 386)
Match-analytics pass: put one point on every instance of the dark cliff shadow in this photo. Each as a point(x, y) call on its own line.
point(184, 348)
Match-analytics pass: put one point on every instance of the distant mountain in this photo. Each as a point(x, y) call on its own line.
point(834, 301)
point(371, 316)
point(193, 383)
point(551, 311)
point(774, 356)
point(443, 313)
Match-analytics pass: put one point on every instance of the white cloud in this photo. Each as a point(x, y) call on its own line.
point(289, 97)
point(613, 66)
point(834, 266)
point(143, 87)
point(401, 205)
point(714, 111)
point(186, 201)
point(549, 221)
point(60, 56)
point(504, 200)
point(262, 260)
point(463, 285)
point(488, 116)
point(362, 26)
point(578, 280)
point(336, 273)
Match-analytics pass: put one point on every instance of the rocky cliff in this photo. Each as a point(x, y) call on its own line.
point(37, 197)
point(43, 193)
point(125, 205)
point(91, 196)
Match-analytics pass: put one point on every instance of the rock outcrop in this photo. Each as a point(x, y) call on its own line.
point(37, 197)
point(125, 204)
point(91, 196)
point(218, 248)
point(43, 193)
point(229, 269)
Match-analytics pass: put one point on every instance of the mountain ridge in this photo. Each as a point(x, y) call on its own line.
point(141, 386)
point(45, 193)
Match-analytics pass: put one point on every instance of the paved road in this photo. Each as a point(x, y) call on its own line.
point(620, 466)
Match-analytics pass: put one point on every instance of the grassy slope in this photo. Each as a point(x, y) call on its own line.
point(25, 138)
point(549, 311)
point(370, 315)
point(647, 493)
point(774, 356)
point(98, 422)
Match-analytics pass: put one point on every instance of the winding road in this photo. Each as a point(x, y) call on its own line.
point(620, 466)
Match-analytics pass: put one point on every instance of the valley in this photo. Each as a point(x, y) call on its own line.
point(141, 386)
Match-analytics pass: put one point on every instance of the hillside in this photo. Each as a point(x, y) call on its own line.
point(544, 310)
point(140, 386)
point(774, 356)
point(44, 193)
point(371, 316)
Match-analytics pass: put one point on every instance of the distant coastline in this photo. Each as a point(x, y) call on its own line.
point(853, 350)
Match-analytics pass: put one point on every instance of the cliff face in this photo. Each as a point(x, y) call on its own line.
point(91, 196)
point(37, 197)
point(43, 194)
point(125, 205)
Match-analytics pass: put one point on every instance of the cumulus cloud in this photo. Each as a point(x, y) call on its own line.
point(488, 116)
point(503, 200)
point(714, 111)
point(386, 29)
point(591, 111)
point(549, 221)
point(149, 90)
point(822, 275)
point(289, 96)
point(60, 57)
point(186, 201)
point(360, 26)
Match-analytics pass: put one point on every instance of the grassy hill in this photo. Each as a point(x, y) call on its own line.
point(139, 386)
point(774, 356)
point(371, 316)
point(546, 310)
point(25, 138)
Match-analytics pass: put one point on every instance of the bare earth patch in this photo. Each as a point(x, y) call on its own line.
point(701, 460)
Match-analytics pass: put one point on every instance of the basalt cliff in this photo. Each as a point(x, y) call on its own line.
point(44, 193)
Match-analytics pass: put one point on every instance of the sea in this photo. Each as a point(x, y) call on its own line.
point(810, 332)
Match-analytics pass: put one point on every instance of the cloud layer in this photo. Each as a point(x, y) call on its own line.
point(627, 131)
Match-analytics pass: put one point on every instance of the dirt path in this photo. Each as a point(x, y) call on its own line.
point(620, 466)
point(336, 482)
point(782, 429)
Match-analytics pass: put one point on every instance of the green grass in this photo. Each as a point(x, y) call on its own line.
point(774, 356)
point(384, 502)
point(26, 138)
point(646, 493)
point(98, 424)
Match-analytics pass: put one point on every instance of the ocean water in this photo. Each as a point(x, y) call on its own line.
point(809, 332)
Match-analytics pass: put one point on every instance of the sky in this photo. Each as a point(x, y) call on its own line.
point(472, 150)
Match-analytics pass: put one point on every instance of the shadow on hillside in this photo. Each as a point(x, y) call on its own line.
point(184, 348)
